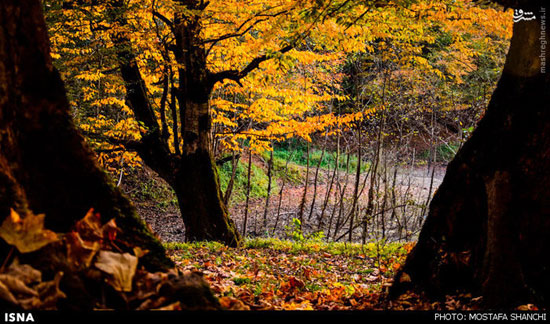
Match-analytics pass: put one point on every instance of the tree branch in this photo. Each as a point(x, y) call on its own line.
point(236, 75)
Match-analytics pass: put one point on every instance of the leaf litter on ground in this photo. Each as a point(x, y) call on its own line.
point(93, 252)
point(264, 274)
point(269, 274)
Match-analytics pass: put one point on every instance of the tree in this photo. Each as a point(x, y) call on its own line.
point(45, 167)
point(486, 231)
point(182, 154)
point(265, 77)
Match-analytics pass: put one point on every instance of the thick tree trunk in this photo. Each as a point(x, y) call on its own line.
point(46, 168)
point(192, 173)
point(200, 199)
point(487, 229)
point(197, 182)
point(44, 165)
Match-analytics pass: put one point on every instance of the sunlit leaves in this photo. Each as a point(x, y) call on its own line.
point(26, 234)
point(425, 45)
point(282, 275)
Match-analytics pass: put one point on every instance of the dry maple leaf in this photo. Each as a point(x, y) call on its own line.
point(121, 267)
point(26, 234)
point(80, 252)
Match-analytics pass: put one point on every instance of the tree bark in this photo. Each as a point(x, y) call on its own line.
point(45, 167)
point(488, 224)
point(199, 194)
point(192, 173)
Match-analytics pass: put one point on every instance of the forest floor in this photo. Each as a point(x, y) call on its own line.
point(166, 223)
point(270, 274)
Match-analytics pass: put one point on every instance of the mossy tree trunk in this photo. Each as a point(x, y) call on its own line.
point(488, 224)
point(45, 167)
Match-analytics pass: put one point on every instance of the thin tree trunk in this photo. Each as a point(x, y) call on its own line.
point(247, 191)
point(341, 206)
point(281, 195)
point(304, 195)
point(372, 188)
point(269, 179)
point(314, 198)
point(355, 197)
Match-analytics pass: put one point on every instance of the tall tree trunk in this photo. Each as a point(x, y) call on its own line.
point(44, 165)
point(192, 173)
point(488, 224)
point(199, 193)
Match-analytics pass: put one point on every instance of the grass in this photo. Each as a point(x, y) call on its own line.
point(150, 190)
point(258, 181)
point(379, 249)
point(292, 172)
point(444, 152)
point(298, 155)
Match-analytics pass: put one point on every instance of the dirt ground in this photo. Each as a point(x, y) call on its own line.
point(412, 183)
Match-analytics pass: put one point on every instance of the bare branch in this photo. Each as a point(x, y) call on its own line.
point(236, 75)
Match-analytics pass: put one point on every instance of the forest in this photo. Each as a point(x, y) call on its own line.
point(275, 155)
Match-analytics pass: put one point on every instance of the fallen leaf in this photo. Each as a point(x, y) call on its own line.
point(50, 293)
point(172, 307)
point(80, 252)
point(26, 234)
point(24, 272)
point(138, 252)
point(404, 277)
point(305, 305)
point(89, 227)
point(296, 283)
point(231, 303)
point(527, 307)
point(121, 267)
point(110, 230)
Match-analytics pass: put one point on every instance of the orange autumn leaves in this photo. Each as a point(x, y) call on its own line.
point(27, 234)
point(290, 95)
point(280, 275)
